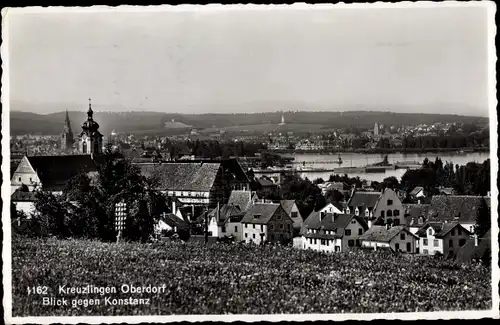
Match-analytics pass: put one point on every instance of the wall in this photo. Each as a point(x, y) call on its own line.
point(354, 227)
point(329, 245)
point(27, 207)
point(297, 221)
point(402, 243)
point(431, 249)
point(374, 244)
point(254, 230)
point(383, 206)
point(455, 237)
point(24, 174)
point(231, 230)
point(280, 226)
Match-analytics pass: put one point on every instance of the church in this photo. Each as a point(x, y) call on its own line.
point(51, 173)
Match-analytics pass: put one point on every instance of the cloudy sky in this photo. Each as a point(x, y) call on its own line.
point(404, 60)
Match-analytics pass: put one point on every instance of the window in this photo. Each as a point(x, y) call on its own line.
point(408, 247)
point(348, 232)
point(246, 225)
point(425, 241)
point(246, 235)
point(223, 228)
point(294, 214)
point(436, 243)
point(389, 213)
point(389, 221)
point(453, 232)
point(389, 202)
point(353, 222)
point(459, 231)
point(382, 214)
point(402, 236)
point(450, 243)
point(396, 247)
point(253, 236)
point(271, 227)
point(31, 180)
point(396, 213)
point(279, 216)
point(360, 231)
point(426, 252)
point(281, 226)
point(322, 242)
point(254, 226)
point(315, 241)
point(350, 243)
point(461, 242)
point(288, 226)
point(19, 178)
point(396, 221)
point(261, 228)
point(235, 228)
point(337, 248)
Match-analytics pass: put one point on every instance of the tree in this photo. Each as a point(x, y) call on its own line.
point(390, 182)
point(483, 219)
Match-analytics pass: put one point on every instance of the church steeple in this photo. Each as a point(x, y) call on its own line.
point(90, 138)
point(67, 135)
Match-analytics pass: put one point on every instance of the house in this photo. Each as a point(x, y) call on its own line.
point(388, 209)
point(456, 208)
point(290, 207)
point(267, 187)
point(24, 202)
point(242, 199)
point(50, 173)
point(362, 203)
point(442, 237)
point(198, 183)
point(417, 192)
point(474, 248)
point(398, 238)
point(446, 190)
point(333, 232)
point(311, 220)
point(415, 215)
point(228, 221)
point(169, 222)
point(267, 222)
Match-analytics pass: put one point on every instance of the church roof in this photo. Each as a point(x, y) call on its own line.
point(55, 171)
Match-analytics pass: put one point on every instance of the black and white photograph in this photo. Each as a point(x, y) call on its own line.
point(249, 162)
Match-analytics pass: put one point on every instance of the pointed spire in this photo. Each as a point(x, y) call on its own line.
point(90, 112)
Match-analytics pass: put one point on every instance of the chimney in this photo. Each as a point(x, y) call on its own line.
point(475, 240)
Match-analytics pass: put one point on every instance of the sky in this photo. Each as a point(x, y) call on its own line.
point(403, 60)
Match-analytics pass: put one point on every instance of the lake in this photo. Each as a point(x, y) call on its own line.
point(360, 159)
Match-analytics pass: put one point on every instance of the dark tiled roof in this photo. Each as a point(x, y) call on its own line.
point(321, 235)
point(265, 210)
point(186, 176)
point(416, 190)
point(287, 205)
point(455, 207)
point(332, 221)
point(441, 229)
point(265, 182)
point(55, 171)
point(415, 211)
point(241, 199)
point(364, 199)
point(174, 221)
point(226, 211)
point(19, 196)
point(382, 234)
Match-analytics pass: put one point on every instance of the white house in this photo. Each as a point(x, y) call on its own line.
point(442, 237)
point(399, 238)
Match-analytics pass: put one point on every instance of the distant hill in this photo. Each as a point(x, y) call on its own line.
point(23, 122)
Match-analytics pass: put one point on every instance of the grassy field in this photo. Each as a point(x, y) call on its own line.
point(223, 278)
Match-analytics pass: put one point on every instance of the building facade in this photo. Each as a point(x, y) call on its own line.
point(90, 139)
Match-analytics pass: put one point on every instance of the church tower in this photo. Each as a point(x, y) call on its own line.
point(90, 142)
point(67, 136)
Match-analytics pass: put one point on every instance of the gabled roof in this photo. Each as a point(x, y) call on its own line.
point(226, 211)
point(183, 176)
point(461, 208)
point(174, 221)
point(363, 199)
point(241, 199)
point(382, 234)
point(441, 229)
point(416, 190)
point(19, 196)
point(265, 211)
point(333, 221)
point(287, 205)
point(55, 171)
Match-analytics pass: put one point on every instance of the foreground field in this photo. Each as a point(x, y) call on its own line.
point(234, 279)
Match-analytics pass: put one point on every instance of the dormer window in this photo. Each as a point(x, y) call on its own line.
point(429, 231)
point(256, 216)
